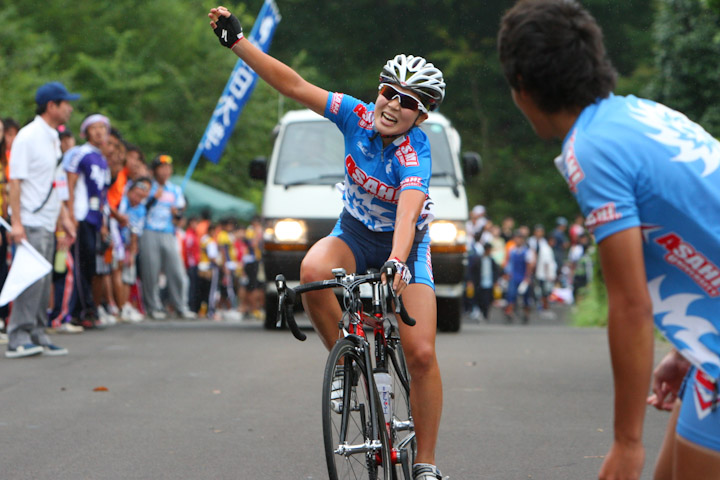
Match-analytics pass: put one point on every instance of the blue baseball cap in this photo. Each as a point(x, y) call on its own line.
point(53, 91)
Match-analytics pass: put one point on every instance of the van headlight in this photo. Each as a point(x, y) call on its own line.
point(443, 232)
point(289, 231)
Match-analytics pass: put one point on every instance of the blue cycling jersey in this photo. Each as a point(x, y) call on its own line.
point(159, 216)
point(636, 163)
point(375, 176)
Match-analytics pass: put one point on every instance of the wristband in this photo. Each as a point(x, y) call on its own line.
point(228, 30)
point(402, 270)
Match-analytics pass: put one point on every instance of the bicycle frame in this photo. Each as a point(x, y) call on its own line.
point(385, 352)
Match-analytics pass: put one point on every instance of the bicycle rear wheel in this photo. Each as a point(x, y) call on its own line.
point(402, 430)
point(356, 442)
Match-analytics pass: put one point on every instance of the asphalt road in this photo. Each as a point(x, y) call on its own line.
point(229, 400)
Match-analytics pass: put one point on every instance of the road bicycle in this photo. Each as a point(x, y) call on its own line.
point(368, 427)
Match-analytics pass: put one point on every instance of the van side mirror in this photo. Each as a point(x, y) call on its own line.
point(471, 163)
point(258, 168)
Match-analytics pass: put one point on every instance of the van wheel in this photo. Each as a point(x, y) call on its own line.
point(271, 307)
point(449, 312)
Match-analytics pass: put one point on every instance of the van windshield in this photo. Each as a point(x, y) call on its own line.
point(312, 153)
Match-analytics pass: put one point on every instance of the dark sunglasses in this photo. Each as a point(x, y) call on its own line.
point(406, 101)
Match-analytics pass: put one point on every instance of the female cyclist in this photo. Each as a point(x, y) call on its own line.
point(387, 172)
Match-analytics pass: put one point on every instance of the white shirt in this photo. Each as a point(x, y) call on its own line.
point(33, 160)
point(545, 268)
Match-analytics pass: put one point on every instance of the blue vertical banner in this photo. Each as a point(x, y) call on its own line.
point(237, 91)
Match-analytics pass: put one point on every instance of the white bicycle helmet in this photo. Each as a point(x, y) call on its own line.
point(417, 75)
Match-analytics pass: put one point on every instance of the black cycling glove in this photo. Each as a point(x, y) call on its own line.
point(228, 30)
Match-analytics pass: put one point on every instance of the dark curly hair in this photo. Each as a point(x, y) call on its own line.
point(554, 50)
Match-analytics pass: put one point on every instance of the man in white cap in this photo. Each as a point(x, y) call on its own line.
point(36, 206)
point(476, 223)
point(88, 180)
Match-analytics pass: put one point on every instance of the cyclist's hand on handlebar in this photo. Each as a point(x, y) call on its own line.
point(402, 275)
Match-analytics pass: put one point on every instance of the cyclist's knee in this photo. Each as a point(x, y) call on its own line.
point(421, 358)
point(312, 271)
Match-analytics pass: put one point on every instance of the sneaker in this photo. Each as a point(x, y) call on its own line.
point(53, 350)
point(426, 471)
point(105, 319)
point(188, 315)
point(129, 314)
point(68, 327)
point(88, 322)
point(113, 309)
point(27, 350)
point(158, 315)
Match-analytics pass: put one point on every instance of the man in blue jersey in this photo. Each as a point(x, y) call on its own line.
point(159, 251)
point(387, 172)
point(648, 183)
point(88, 180)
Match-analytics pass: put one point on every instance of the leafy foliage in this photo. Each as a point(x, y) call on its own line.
point(156, 69)
point(688, 60)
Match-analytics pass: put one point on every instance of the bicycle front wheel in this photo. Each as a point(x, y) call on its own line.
point(356, 441)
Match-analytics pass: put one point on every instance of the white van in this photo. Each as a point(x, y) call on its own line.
point(301, 203)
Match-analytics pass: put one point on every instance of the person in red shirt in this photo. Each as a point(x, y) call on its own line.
point(191, 257)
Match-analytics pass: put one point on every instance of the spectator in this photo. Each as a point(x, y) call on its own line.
point(518, 271)
point(255, 296)
point(11, 130)
point(545, 268)
point(88, 179)
point(241, 249)
point(204, 223)
point(581, 265)
point(191, 257)
point(226, 243)
point(209, 271)
point(109, 284)
point(476, 223)
point(67, 139)
point(135, 165)
point(506, 229)
point(485, 275)
point(470, 301)
point(62, 280)
point(576, 229)
point(158, 246)
point(36, 207)
point(560, 247)
point(498, 245)
point(132, 207)
point(4, 311)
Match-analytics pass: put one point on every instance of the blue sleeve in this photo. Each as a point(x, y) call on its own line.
point(604, 186)
point(414, 162)
point(348, 112)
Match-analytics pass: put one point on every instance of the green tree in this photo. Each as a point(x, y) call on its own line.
point(156, 69)
point(687, 59)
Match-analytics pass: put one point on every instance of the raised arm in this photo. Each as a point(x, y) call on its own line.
point(278, 75)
